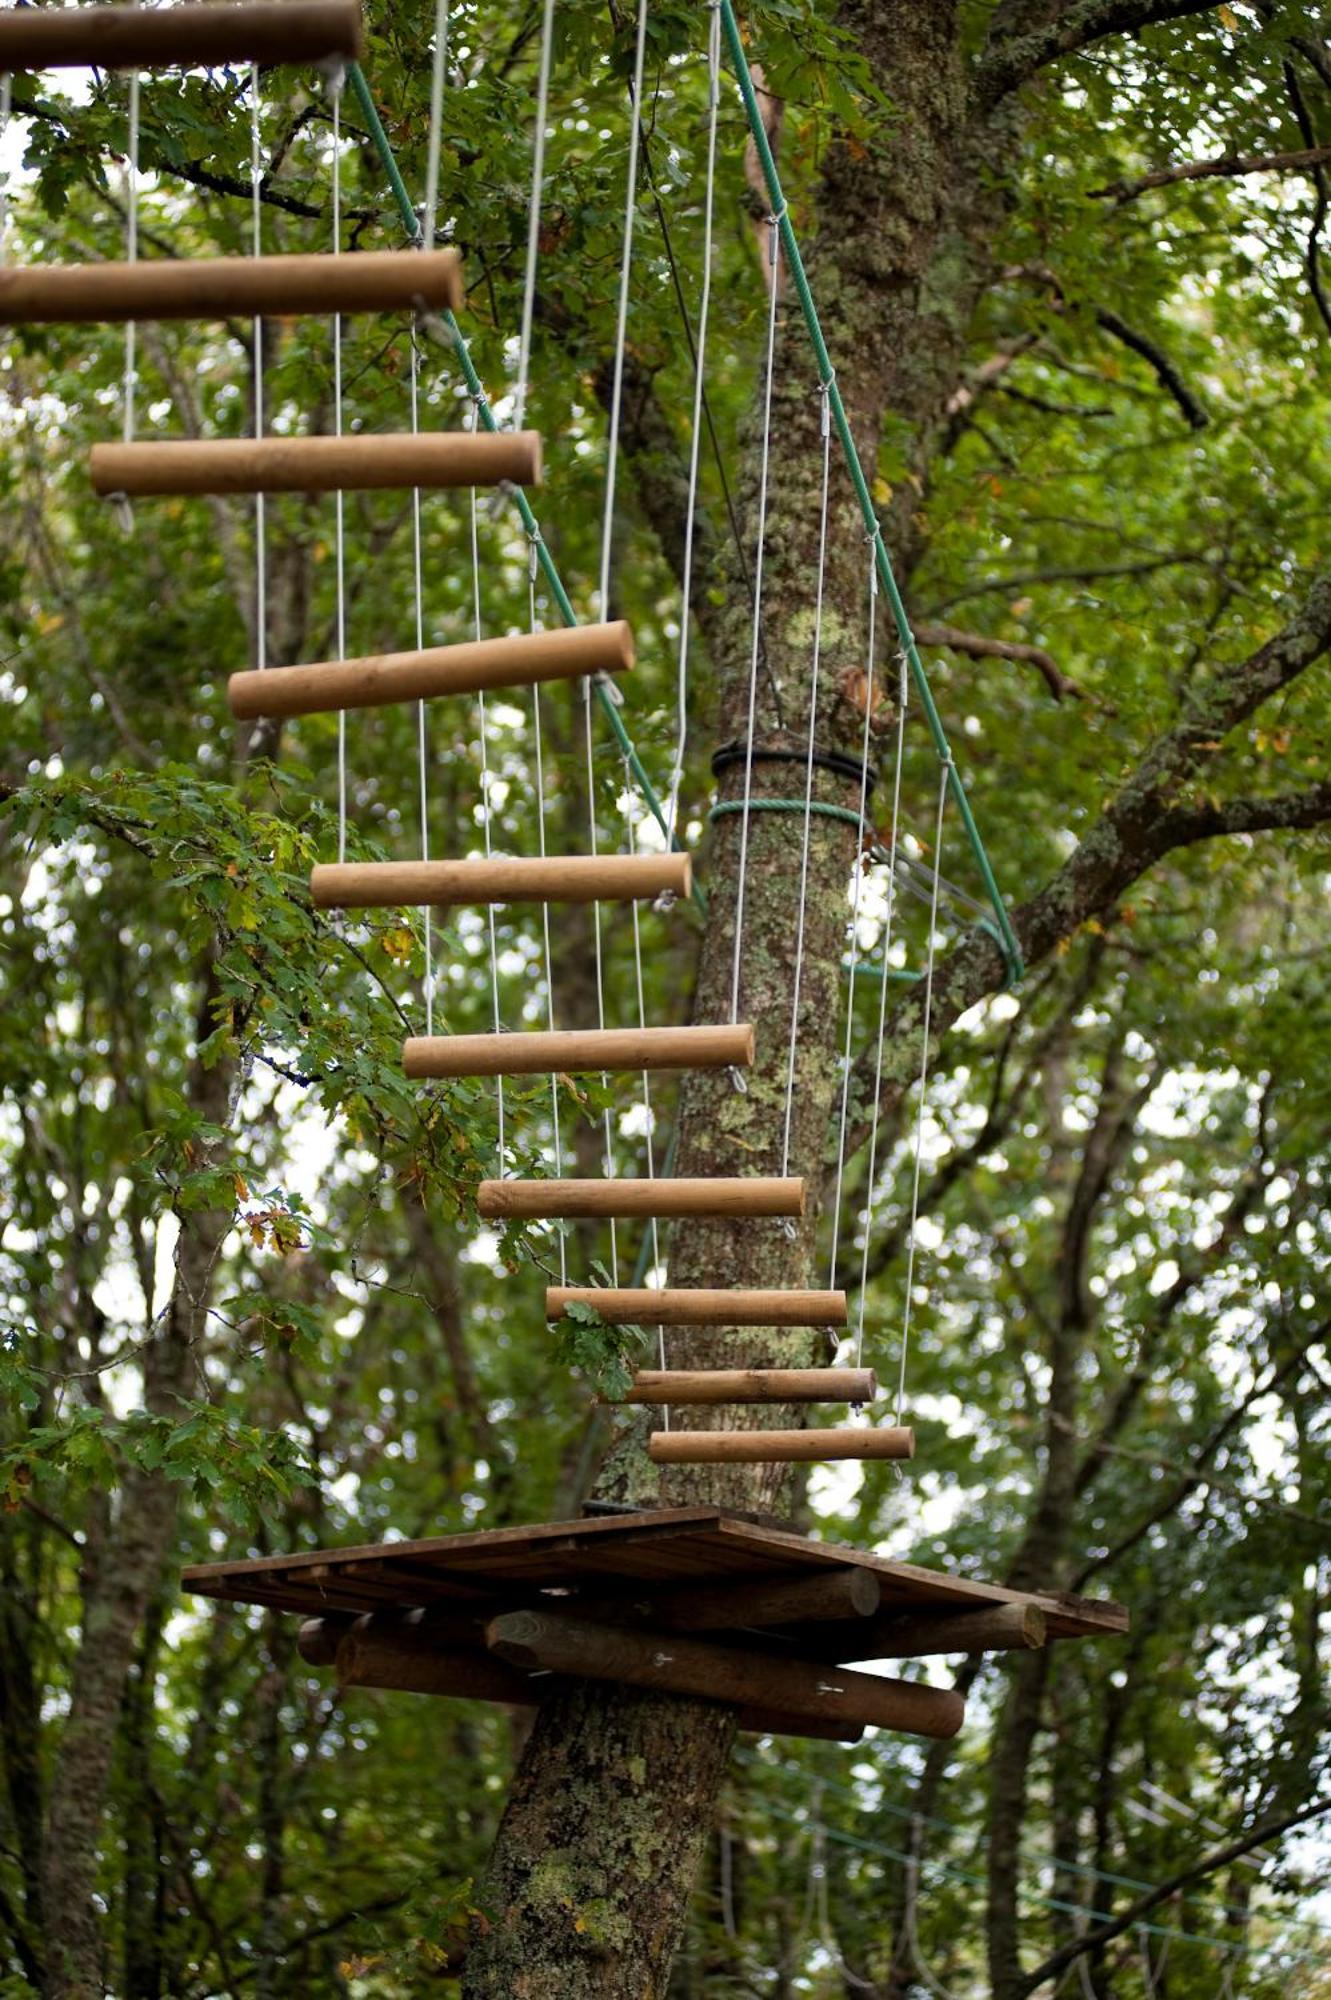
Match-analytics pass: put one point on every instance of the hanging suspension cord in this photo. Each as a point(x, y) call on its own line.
point(774, 255)
point(427, 242)
point(339, 498)
point(934, 1985)
point(6, 85)
point(924, 1079)
point(654, 1226)
point(422, 731)
point(131, 248)
point(437, 76)
point(695, 435)
point(545, 907)
point(808, 786)
point(485, 801)
point(260, 516)
point(889, 914)
point(600, 965)
point(621, 320)
point(534, 213)
point(854, 952)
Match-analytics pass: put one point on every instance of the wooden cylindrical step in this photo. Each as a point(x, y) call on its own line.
point(189, 36)
point(501, 1200)
point(753, 1385)
point(363, 462)
point(534, 1639)
point(778, 1447)
point(574, 1051)
point(642, 1306)
point(520, 660)
point(517, 878)
point(232, 287)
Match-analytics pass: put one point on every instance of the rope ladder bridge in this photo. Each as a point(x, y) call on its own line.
point(692, 1600)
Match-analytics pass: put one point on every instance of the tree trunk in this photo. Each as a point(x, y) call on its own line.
point(588, 1884)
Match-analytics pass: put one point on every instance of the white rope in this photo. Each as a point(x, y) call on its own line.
point(818, 1877)
point(775, 255)
point(1084, 1974)
point(621, 320)
point(808, 785)
point(485, 791)
point(872, 1168)
point(260, 513)
point(646, 1079)
point(532, 565)
point(600, 967)
point(340, 536)
point(436, 123)
point(6, 85)
point(934, 1985)
point(422, 732)
point(924, 1078)
point(534, 213)
point(695, 434)
point(131, 247)
point(854, 948)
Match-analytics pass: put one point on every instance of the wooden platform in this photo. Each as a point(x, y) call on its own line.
point(625, 1562)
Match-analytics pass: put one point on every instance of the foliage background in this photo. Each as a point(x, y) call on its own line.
point(204, 1121)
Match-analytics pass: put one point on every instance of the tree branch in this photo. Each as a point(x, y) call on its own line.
point(1212, 818)
point(979, 646)
point(1012, 60)
point(1210, 1864)
point(1166, 373)
point(1224, 166)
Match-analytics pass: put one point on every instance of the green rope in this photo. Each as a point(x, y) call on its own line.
point(814, 806)
point(1007, 937)
point(486, 416)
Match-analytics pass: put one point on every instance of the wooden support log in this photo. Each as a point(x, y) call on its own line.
point(189, 37)
point(753, 1385)
point(500, 1200)
point(833, 1594)
point(520, 660)
point(722, 1673)
point(517, 878)
point(578, 1050)
point(700, 1306)
point(410, 1658)
point(777, 1447)
point(226, 287)
point(361, 463)
point(911, 1635)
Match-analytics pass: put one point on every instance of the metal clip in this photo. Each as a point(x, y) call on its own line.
point(738, 1080)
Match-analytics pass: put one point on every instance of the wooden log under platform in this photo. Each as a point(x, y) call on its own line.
point(515, 878)
point(576, 1051)
point(364, 462)
point(180, 37)
point(999, 1628)
point(837, 1595)
point(535, 1639)
point(779, 1447)
point(753, 1196)
point(700, 1306)
point(521, 659)
point(752, 1385)
point(408, 1657)
point(201, 288)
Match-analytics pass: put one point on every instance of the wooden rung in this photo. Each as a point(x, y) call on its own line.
point(753, 1385)
point(634, 1306)
point(558, 878)
point(398, 1655)
point(520, 660)
point(227, 287)
point(500, 1200)
point(188, 37)
point(533, 1639)
point(778, 1447)
point(361, 463)
point(578, 1050)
